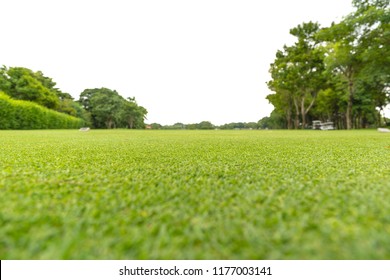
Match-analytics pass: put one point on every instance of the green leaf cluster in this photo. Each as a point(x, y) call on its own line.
point(24, 84)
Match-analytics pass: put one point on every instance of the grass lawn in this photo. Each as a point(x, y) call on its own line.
point(123, 194)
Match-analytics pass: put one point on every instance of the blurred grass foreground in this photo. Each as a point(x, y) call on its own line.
point(123, 194)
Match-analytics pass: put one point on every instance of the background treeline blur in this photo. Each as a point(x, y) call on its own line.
point(339, 73)
point(30, 100)
point(207, 125)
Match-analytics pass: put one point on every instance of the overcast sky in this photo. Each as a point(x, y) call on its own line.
point(184, 60)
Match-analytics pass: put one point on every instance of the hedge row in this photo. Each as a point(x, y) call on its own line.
point(18, 114)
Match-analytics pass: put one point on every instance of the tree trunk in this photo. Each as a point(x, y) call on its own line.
point(289, 120)
point(303, 113)
point(296, 122)
point(109, 123)
point(350, 102)
point(130, 122)
point(379, 116)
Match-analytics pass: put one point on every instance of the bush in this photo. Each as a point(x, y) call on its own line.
point(18, 114)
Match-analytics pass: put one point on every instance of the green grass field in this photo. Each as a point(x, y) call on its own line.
point(194, 195)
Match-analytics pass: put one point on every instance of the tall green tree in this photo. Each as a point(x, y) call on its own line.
point(298, 74)
point(372, 19)
point(108, 109)
point(341, 72)
point(357, 51)
point(105, 106)
point(282, 98)
point(133, 114)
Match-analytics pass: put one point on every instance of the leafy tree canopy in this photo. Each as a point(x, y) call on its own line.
point(339, 73)
point(108, 109)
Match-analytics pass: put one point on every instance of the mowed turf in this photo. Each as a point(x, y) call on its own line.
point(123, 194)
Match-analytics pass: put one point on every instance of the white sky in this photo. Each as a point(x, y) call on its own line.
point(184, 60)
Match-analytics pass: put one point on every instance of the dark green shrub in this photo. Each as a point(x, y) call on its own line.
point(18, 114)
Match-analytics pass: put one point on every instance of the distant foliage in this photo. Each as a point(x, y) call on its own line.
point(340, 73)
point(18, 114)
point(108, 109)
point(99, 108)
point(24, 84)
point(206, 125)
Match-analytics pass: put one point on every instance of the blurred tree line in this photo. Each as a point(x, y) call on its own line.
point(206, 125)
point(99, 108)
point(339, 73)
